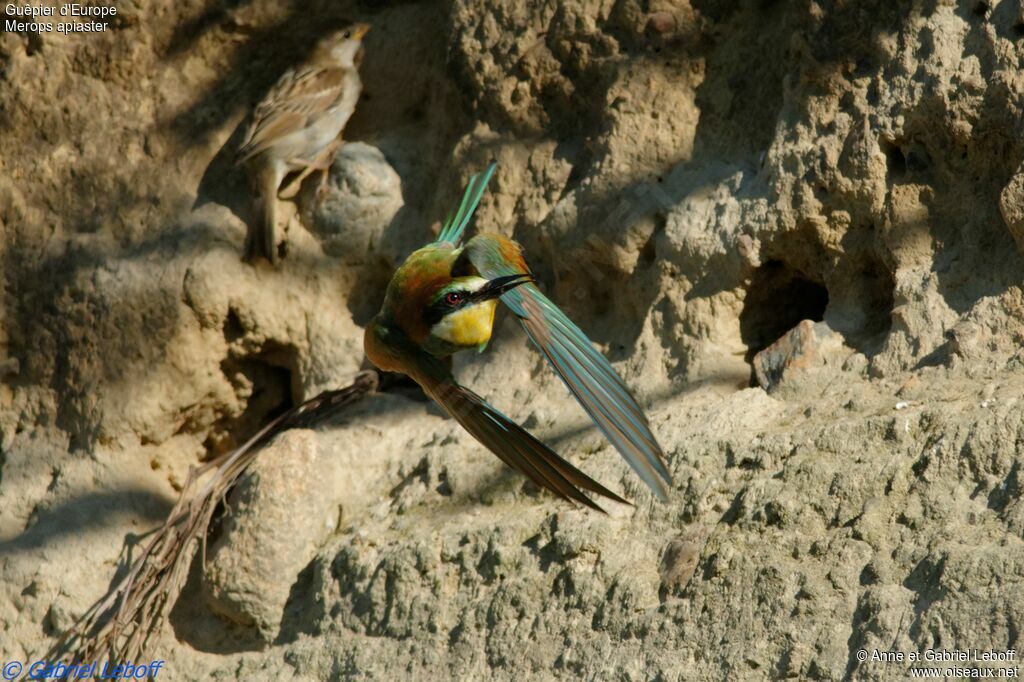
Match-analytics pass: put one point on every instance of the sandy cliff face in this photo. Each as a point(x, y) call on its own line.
point(691, 180)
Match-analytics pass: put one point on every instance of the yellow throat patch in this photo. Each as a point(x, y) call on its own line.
point(467, 327)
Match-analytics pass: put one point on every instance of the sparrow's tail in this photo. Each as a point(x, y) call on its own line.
point(261, 241)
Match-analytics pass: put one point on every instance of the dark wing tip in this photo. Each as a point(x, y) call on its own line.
point(518, 448)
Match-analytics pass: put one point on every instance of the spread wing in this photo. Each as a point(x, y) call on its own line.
point(585, 371)
point(295, 102)
point(502, 436)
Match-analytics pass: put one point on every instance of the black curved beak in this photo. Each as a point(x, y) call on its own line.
point(498, 286)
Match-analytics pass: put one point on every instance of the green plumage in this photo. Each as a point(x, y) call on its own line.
point(400, 339)
point(585, 371)
point(456, 225)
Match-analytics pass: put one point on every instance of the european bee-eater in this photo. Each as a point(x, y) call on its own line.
point(442, 300)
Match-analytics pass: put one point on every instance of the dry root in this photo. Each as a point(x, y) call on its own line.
point(119, 626)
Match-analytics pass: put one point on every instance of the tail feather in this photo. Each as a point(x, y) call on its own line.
point(455, 225)
point(262, 240)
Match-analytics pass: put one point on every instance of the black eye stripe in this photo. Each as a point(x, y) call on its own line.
point(441, 307)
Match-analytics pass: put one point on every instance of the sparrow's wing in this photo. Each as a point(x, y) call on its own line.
point(296, 101)
point(585, 371)
point(502, 436)
point(456, 224)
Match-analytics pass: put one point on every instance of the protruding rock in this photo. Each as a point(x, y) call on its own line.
point(363, 196)
point(278, 514)
point(805, 346)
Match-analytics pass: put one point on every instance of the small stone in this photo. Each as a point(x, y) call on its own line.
point(805, 346)
point(749, 250)
point(59, 618)
point(678, 563)
point(1011, 206)
point(661, 22)
point(968, 340)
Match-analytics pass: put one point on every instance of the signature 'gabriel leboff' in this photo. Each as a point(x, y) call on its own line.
point(442, 300)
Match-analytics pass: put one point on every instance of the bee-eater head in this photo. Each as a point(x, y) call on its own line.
point(461, 314)
point(444, 313)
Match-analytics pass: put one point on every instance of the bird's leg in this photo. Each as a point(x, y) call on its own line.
point(292, 188)
point(321, 162)
point(326, 159)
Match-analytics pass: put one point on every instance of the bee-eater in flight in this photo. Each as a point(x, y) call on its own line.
point(442, 300)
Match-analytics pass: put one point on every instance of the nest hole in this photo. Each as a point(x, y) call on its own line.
point(233, 328)
point(778, 298)
point(895, 159)
point(269, 380)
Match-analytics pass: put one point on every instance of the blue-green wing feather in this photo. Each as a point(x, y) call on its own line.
point(455, 226)
point(510, 442)
point(585, 371)
point(518, 449)
point(596, 385)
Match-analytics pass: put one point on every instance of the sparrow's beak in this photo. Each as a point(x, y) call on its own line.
point(498, 286)
point(361, 30)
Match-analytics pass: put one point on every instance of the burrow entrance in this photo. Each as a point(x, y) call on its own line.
point(778, 298)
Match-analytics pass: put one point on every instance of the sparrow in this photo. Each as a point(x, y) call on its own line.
point(442, 300)
point(297, 127)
